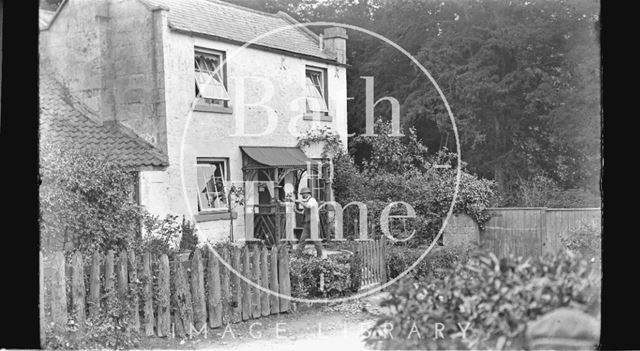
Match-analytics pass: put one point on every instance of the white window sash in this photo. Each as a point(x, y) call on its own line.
point(210, 199)
point(210, 81)
point(315, 99)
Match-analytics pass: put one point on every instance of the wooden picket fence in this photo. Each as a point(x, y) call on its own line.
point(374, 266)
point(184, 295)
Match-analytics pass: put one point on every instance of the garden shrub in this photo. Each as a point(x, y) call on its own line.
point(161, 235)
point(543, 191)
point(398, 169)
point(189, 239)
point(586, 240)
point(86, 201)
point(341, 277)
point(434, 265)
point(497, 297)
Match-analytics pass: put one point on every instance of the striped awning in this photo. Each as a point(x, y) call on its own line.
point(274, 156)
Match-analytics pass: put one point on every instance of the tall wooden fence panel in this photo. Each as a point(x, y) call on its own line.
point(561, 222)
point(532, 232)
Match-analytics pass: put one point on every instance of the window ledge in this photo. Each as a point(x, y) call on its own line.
point(316, 117)
point(212, 108)
point(215, 216)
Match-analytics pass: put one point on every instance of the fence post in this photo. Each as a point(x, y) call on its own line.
point(122, 275)
point(58, 292)
point(383, 258)
point(256, 309)
point(283, 275)
point(246, 288)
point(147, 294)
point(109, 279)
point(182, 307)
point(225, 289)
point(197, 290)
point(94, 285)
point(213, 291)
point(273, 282)
point(264, 281)
point(78, 290)
point(237, 289)
point(164, 292)
point(133, 288)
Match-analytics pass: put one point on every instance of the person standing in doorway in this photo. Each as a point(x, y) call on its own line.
point(310, 206)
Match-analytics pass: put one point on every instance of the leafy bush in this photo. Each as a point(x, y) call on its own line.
point(398, 169)
point(497, 297)
point(189, 239)
point(585, 240)
point(161, 235)
point(542, 191)
point(435, 265)
point(341, 277)
point(86, 202)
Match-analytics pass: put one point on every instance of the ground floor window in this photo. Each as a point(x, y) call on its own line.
point(318, 180)
point(212, 181)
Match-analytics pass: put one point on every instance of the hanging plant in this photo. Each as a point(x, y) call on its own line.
point(330, 139)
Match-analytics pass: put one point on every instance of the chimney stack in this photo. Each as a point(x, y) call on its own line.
point(335, 41)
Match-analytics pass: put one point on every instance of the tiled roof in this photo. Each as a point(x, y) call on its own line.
point(61, 122)
point(44, 17)
point(232, 22)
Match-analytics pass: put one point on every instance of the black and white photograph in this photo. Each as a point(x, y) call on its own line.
point(319, 174)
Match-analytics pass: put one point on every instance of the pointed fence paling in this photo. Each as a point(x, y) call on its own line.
point(167, 296)
point(172, 296)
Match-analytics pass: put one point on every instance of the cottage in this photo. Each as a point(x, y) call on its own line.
point(220, 93)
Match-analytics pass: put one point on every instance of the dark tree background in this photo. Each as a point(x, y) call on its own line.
point(522, 78)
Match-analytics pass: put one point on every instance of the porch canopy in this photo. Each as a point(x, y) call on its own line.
point(260, 157)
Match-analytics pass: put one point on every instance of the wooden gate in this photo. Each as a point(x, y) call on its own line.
point(374, 264)
point(269, 223)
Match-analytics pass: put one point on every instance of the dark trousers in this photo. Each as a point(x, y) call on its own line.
point(306, 233)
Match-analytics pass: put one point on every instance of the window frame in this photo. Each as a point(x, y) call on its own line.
point(324, 92)
point(315, 183)
point(208, 161)
point(205, 103)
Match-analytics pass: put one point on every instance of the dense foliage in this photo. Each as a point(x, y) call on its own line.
point(340, 275)
point(397, 169)
point(497, 297)
point(522, 79)
point(86, 201)
point(585, 240)
point(435, 265)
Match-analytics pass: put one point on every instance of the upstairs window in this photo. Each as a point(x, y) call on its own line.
point(211, 79)
point(212, 184)
point(316, 91)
